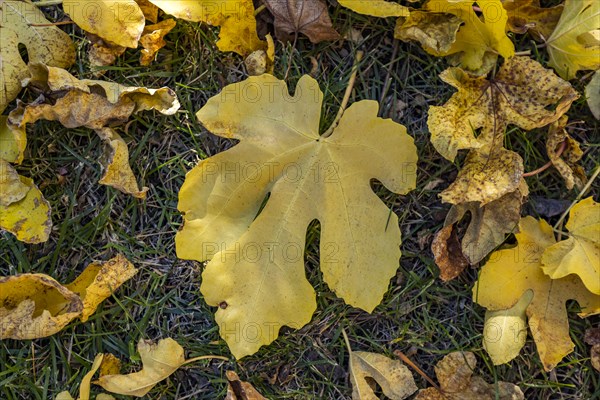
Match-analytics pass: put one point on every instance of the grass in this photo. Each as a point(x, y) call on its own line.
point(420, 315)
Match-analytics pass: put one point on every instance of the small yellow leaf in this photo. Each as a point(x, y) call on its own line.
point(394, 378)
point(567, 162)
point(511, 272)
point(45, 44)
point(159, 361)
point(240, 390)
point(376, 8)
point(111, 365)
point(479, 37)
point(23, 210)
point(455, 374)
point(152, 39)
point(575, 43)
point(580, 253)
point(12, 142)
point(34, 306)
point(592, 93)
point(84, 387)
point(118, 22)
point(149, 10)
point(98, 282)
point(505, 331)
point(436, 32)
point(235, 17)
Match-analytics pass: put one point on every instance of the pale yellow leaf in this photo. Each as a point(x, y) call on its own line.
point(579, 254)
point(159, 361)
point(257, 269)
point(12, 142)
point(511, 272)
point(376, 8)
point(118, 22)
point(394, 378)
point(592, 93)
point(45, 44)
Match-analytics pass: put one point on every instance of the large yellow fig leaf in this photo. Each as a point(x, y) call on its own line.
point(481, 39)
point(119, 22)
point(257, 274)
point(376, 8)
point(235, 17)
point(575, 43)
point(45, 44)
point(35, 305)
point(522, 93)
point(23, 210)
point(580, 253)
point(159, 361)
point(511, 272)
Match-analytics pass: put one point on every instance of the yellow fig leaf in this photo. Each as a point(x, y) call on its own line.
point(580, 253)
point(45, 44)
point(23, 210)
point(159, 361)
point(34, 306)
point(527, 16)
point(394, 378)
point(575, 43)
point(257, 274)
point(235, 17)
point(240, 390)
point(435, 31)
point(505, 331)
point(455, 374)
point(511, 272)
point(98, 282)
point(153, 39)
point(119, 22)
point(12, 142)
point(592, 93)
point(522, 93)
point(479, 38)
point(376, 8)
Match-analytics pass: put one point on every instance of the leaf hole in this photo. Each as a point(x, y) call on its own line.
point(23, 53)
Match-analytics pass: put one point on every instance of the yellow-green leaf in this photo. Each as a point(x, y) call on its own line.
point(580, 253)
point(592, 93)
point(257, 271)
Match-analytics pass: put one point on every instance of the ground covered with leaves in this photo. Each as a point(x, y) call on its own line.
point(420, 315)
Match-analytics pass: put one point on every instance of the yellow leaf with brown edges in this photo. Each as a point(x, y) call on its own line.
point(98, 282)
point(235, 17)
point(159, 361)
point(22, 24)
point(511, 272)
point(579, 254)
point(455, 372)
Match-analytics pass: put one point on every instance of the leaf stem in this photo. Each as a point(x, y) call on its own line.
point(46, 3)
point(338, 117)
point(407, 360)
point(544, 167)
point(347, 341)
point(259, 9)
point(579, 196)
point(210, 357)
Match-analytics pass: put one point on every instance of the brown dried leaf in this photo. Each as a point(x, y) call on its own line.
point(309, 17)
point(435, 31)
point(527, 16)
point(592, 337)
point(448, 254)
point(240, 390)
point(567, 163)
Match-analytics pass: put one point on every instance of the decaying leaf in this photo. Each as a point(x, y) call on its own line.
point(511, 272)
point(376, 8)
point(567, 162)
point(435, 31)
point(455, 374)
point(592, 337)
point(257, 274)
point(520, 94)
point(118, 22)
point(527, 16)
point(505, 331)
point(448, 254)
point(592, 94)
point(149, 10)
point(153, 39)
point(394, 378)
point(96, 105)
point(45, 44)
point(302, 16)
point(240, 390)
point(111, 365)
point(261, 61)
point(481, 39)
point(101, 53)
point(23, 210)
point(35, 305)
point(579, 254)
point(235, 17)
point(575, 43)
point(159, 361)
point(84, 387)
point(99, 280)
